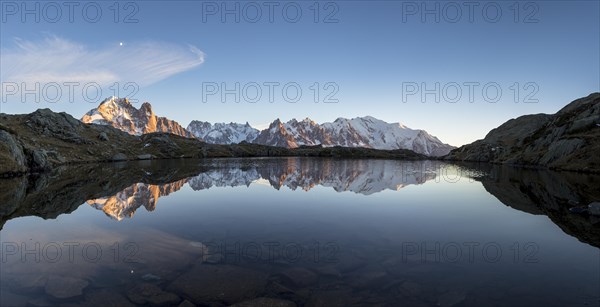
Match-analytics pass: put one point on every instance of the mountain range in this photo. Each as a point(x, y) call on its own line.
point(43, 140)
point(222, 133)
point(367, 132)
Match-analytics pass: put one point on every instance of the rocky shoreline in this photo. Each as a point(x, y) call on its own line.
point(568, 140)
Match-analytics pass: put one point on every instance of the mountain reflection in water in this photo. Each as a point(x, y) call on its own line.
point(359, 214)
point(125, 187)
point(363, 177)
point(124, 203)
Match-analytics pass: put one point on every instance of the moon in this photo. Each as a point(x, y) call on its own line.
point(121, 44)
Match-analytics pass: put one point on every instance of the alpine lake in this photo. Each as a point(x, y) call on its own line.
point(299, 232)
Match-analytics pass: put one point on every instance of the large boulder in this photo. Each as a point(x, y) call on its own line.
point(119, 157)
point(12, 158)
point(39, 159)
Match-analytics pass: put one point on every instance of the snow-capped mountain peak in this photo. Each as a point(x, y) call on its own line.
point(121, 114)
point(292, 134)
point(366, 131)
point(222, 133)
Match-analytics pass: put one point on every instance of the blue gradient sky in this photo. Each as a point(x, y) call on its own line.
point(369, 53)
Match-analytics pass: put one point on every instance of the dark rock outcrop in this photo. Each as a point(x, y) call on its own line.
point(12, 158)
point(567, 140)
point(44, 139)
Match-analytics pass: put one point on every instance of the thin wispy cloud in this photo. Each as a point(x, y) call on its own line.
point(55, 59)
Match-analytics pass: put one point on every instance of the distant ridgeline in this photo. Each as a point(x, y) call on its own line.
point(567, 140)
point(365, 132)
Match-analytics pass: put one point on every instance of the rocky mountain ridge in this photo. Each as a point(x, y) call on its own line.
point(367, 132)
point(566, 140)
point(121, 114)
point(222, 133)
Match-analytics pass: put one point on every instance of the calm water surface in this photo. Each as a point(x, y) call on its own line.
point(299, 232)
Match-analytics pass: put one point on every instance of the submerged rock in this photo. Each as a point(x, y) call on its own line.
point(222, 283)
point(65, 287)
point(450, 299)
point(106, 298)
point(349, 263)
point(265, 302)
point(150, 277)
point(299, 277)
point(331, 298)
point(186, 303)
point(39, 302)
point(213, 258)
point(328, 271)
point(8, 298)
point(152, 295)
point(411, 289)
point(369, 279)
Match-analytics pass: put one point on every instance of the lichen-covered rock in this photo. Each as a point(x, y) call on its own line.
point(144, 157)
point(39, 159)
point(561, 148)
point(12, 158)
point(102, 136)
point(119, 157)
